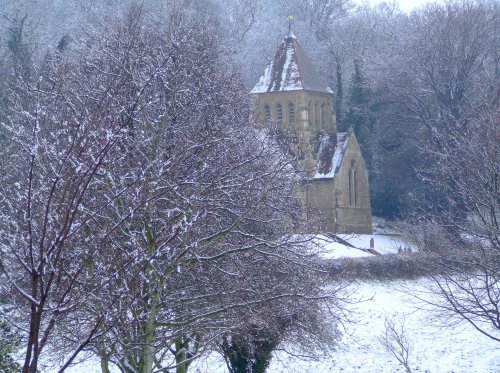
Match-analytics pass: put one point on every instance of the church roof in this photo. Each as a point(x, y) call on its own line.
point(330, 157)
point(291, 70)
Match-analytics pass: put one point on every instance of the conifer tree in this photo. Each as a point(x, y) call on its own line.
point(359, 115)
point(339, 100)
point(8, 344)
point(18, 46)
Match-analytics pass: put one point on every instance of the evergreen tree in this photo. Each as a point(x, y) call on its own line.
point(17, 44)
point(63, 44)
point(360, 116)
point(251, 353)
point(9, 343)
point(339, 100)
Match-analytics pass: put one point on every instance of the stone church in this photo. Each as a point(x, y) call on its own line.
point(293, 97)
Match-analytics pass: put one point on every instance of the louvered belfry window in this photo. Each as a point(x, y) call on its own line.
point(279, 114)
point(317, 116)
point(291, 113)
point(267, 113)
point(323, 116)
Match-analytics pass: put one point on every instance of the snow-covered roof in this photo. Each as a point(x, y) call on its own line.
point(329, 158)
point(290, 70)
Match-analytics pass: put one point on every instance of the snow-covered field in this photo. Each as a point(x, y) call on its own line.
point(336, 250)
point(383, 244)
point(433, 348)
point(387, 239)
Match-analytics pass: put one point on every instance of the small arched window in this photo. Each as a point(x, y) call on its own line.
point(267, 113)
point(279, 114)
point(353, 198)
point(291, 114)
point(310, 116)
point(323, 115)
point(317, 116)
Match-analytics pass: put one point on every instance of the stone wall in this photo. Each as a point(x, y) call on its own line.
point(342, 204)
point(354, 208)
point(320, 201)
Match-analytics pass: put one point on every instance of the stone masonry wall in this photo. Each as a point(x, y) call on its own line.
point(353, 216)
point(326, 198)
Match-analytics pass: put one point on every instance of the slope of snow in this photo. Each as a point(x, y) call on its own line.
point(290, 77)
point(384, 243)
point(434, 349)
point(336, 250)
point(264, 81)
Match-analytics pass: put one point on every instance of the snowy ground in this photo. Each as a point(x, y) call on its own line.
point(387, 239)
point(383, 244)
point(434, 349)
point(336, 250)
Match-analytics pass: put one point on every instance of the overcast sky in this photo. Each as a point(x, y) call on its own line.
point(405, 5)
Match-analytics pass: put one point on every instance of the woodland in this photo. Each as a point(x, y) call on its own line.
point(145, 222)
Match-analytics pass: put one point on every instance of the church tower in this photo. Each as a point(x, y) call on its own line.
point(292, 95)
point(294, 98)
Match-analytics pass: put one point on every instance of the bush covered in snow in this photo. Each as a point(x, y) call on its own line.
point(400, 266)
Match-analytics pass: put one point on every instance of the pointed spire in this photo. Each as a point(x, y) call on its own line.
point(291, 69)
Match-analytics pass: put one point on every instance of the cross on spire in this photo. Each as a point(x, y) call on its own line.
point(290, 19)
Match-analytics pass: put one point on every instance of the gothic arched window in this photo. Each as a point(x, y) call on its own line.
point(310, 116)
point(267, 113)
point(279, 114)
point(323, 115)
point(291, 114)
point(317, 116)
point(353, 198)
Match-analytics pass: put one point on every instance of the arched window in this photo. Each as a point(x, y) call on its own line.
point(323, 115)
point(353, 198)
point(279, 114)
point(317, 116)
point(291, 114)
point(267, 113)
point(310, 116)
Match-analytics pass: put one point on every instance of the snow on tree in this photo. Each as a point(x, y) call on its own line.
point(212, 244)
point(63, 125)
point(466, 169)
point(141, 213)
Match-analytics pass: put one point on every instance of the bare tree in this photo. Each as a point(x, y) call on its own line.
point(395, 341)
point(202, 205)
point(467, 172)
point(446, 67)
point(461, 145)
point(63, 126)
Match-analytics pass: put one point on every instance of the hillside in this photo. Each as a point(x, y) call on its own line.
point(434, 349)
